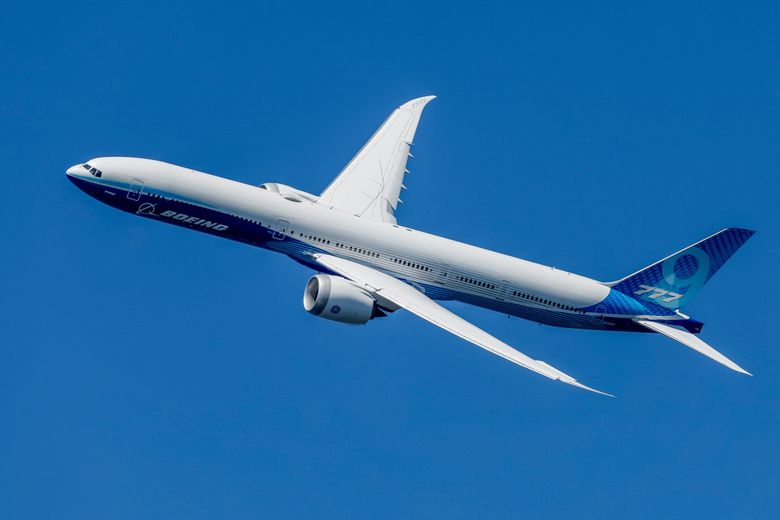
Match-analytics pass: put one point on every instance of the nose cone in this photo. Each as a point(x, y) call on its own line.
point(74, 170)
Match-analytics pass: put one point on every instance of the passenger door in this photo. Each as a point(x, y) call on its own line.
point(442, 272)
point(503, 289)
point(601, 310)
point(136, 188)
point(281, 229)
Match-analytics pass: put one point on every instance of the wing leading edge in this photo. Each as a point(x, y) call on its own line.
point(393, 293)
point(370, 184)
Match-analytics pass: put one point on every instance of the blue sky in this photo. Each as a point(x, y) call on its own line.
point(146, 371)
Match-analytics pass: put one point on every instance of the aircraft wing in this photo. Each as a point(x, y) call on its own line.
point(393, 293)
point(370, 184)
point(690, 340)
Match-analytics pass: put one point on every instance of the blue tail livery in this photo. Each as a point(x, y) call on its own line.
point(675, 280)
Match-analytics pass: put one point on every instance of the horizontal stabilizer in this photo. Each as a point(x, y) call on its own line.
point(689, 340)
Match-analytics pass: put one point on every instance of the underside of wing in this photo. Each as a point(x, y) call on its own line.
point(393, 293)
point(369, 186)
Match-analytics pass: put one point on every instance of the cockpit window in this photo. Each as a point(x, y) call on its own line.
point(91, 169)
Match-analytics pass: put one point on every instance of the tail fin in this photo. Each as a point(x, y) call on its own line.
point(675, 280)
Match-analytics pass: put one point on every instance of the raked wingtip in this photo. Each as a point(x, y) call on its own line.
point(563, 377)
point(417, 103)
point(585, 387)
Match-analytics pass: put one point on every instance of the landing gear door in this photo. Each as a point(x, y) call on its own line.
point(280, 230)
point(136, 188)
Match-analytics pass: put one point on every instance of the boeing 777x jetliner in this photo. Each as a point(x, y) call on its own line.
point(369, 266)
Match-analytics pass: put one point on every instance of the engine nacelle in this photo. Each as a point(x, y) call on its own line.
point(288, 192)
point(338, 299)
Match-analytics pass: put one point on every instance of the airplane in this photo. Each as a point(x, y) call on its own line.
point(368, 265)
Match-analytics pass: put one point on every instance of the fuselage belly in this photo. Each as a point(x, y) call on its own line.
point(443, 269)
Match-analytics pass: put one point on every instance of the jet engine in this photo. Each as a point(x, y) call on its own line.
point(338, 299)
point(288, 192)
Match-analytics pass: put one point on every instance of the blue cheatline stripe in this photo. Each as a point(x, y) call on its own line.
point(261, 235)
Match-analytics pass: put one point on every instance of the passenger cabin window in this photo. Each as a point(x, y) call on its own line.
point(533, 298)
point(478, 283)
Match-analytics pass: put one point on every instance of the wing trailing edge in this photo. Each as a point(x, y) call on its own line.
point(387, 289)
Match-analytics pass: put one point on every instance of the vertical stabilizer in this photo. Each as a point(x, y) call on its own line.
point(675, 280)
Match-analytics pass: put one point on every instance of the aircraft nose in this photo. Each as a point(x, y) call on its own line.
point(73, 170)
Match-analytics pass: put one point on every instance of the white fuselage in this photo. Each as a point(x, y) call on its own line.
point(443, 268)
